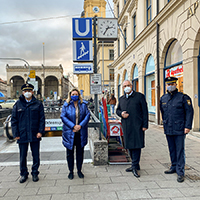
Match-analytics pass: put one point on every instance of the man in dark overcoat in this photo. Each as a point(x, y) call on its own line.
point(132, 108)
point(28, 124)
point(177, 114)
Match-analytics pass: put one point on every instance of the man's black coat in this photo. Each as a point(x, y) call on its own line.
point(27, 120)
point(136, 107)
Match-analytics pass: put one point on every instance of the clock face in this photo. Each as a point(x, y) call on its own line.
point(95, 9)
point(107, 28)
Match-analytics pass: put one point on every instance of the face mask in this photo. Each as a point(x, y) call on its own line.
point(28, 95)
point(127, 89)
point(74, 98)
point(171, 88)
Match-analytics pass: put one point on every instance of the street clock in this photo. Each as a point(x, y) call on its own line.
point(95, 9)
point(107, 29)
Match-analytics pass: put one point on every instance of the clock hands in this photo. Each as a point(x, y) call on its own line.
point(108, 27)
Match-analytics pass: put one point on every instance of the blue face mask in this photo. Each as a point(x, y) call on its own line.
point(74, 98)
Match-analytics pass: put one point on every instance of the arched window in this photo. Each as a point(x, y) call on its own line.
point(150, 84)
point(119, 87)
point(174, 63)
point(135, 79)
point(126, 76)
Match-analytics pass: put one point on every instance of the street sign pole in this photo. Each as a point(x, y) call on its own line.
point(95, 64)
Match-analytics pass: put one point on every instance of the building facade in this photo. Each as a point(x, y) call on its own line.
point(50, 81)
point(105, 52)
point(3, 89)
point(160, 39)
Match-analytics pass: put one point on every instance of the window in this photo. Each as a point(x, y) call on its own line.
point(126, 76)
point(174, 63)
point(112, 75)
point(148, 11)
point(125, 42)
point(150, 89)
point(118, 41)
point(111, 54)
point(118, 10)
point(135, 79)
point(134, 27)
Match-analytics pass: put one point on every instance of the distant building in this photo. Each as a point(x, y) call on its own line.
point(50, 80)
point(3, 88)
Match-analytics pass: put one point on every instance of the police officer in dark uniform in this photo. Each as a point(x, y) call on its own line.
point(28, 124)
point(177, 114)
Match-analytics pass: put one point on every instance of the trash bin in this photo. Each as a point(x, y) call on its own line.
point(108, 109)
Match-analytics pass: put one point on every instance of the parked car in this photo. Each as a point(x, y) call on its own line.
point(8, 104)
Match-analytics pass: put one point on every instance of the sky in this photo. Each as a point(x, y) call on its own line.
point(26, 24)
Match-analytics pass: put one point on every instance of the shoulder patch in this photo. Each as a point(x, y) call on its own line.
point(188, 102)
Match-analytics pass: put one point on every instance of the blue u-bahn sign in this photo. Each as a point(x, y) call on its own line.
point(82, 28)
point(82, 50)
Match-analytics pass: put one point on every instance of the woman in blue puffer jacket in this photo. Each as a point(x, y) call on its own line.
point(75, 116)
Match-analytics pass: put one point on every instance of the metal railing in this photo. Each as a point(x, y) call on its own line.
point(95, 123)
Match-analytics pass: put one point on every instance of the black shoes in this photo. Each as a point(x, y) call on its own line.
point(130, 169)
point(180, 178)
point(80, 174)
point(35, 178)
point(170, 171)
point(135, 173)
point(71, 175)
point(23, 179)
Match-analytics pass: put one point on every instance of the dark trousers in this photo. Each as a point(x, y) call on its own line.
point(135, 156)
point(79, 154)
point(23, 149)
point(176, 144)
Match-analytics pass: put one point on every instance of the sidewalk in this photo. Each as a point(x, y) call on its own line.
point(110, 182)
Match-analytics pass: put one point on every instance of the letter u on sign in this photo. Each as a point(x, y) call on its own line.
point(82, 28)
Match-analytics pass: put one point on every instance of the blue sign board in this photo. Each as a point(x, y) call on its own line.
point(82, 50)
point(82, 28)
point(86, 68)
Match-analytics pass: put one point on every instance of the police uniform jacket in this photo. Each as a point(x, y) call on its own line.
point(68, 116)
point(136, 107)
point(177, 112)
point(27, 120)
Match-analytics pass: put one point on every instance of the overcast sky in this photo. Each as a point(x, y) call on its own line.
point(23, 30)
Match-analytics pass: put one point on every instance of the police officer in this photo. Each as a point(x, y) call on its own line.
point(28, 123)
point(177, 114)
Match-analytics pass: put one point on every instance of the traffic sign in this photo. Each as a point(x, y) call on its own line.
point(82, 28)
point(35, 84)
point(86, 68)
point(32, 74)
point(82, 50)
point(95, 84)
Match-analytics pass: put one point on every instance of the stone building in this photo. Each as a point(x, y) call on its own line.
point(3, 89)
point(50, 80)
point(160, 39)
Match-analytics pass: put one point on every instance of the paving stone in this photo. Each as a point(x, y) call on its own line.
point(53, 190)
point(67, 182)
point(97, 180)
point(133, 194)
point(3, 191)
point(190, 191)
point(9, 198)
point(83, 188)
point(163, 193)
point(22, 192)
point(113, 187)
point(41, 183)
point(101, 196)
point(171, 184)
point(143, 185)
point(78, 196)
point(36, 197)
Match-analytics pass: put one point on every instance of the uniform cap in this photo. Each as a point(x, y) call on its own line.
point(27, 86)
point(170, 80)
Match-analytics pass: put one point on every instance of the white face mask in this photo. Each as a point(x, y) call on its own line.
point(127, 89)
point(28, 95)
